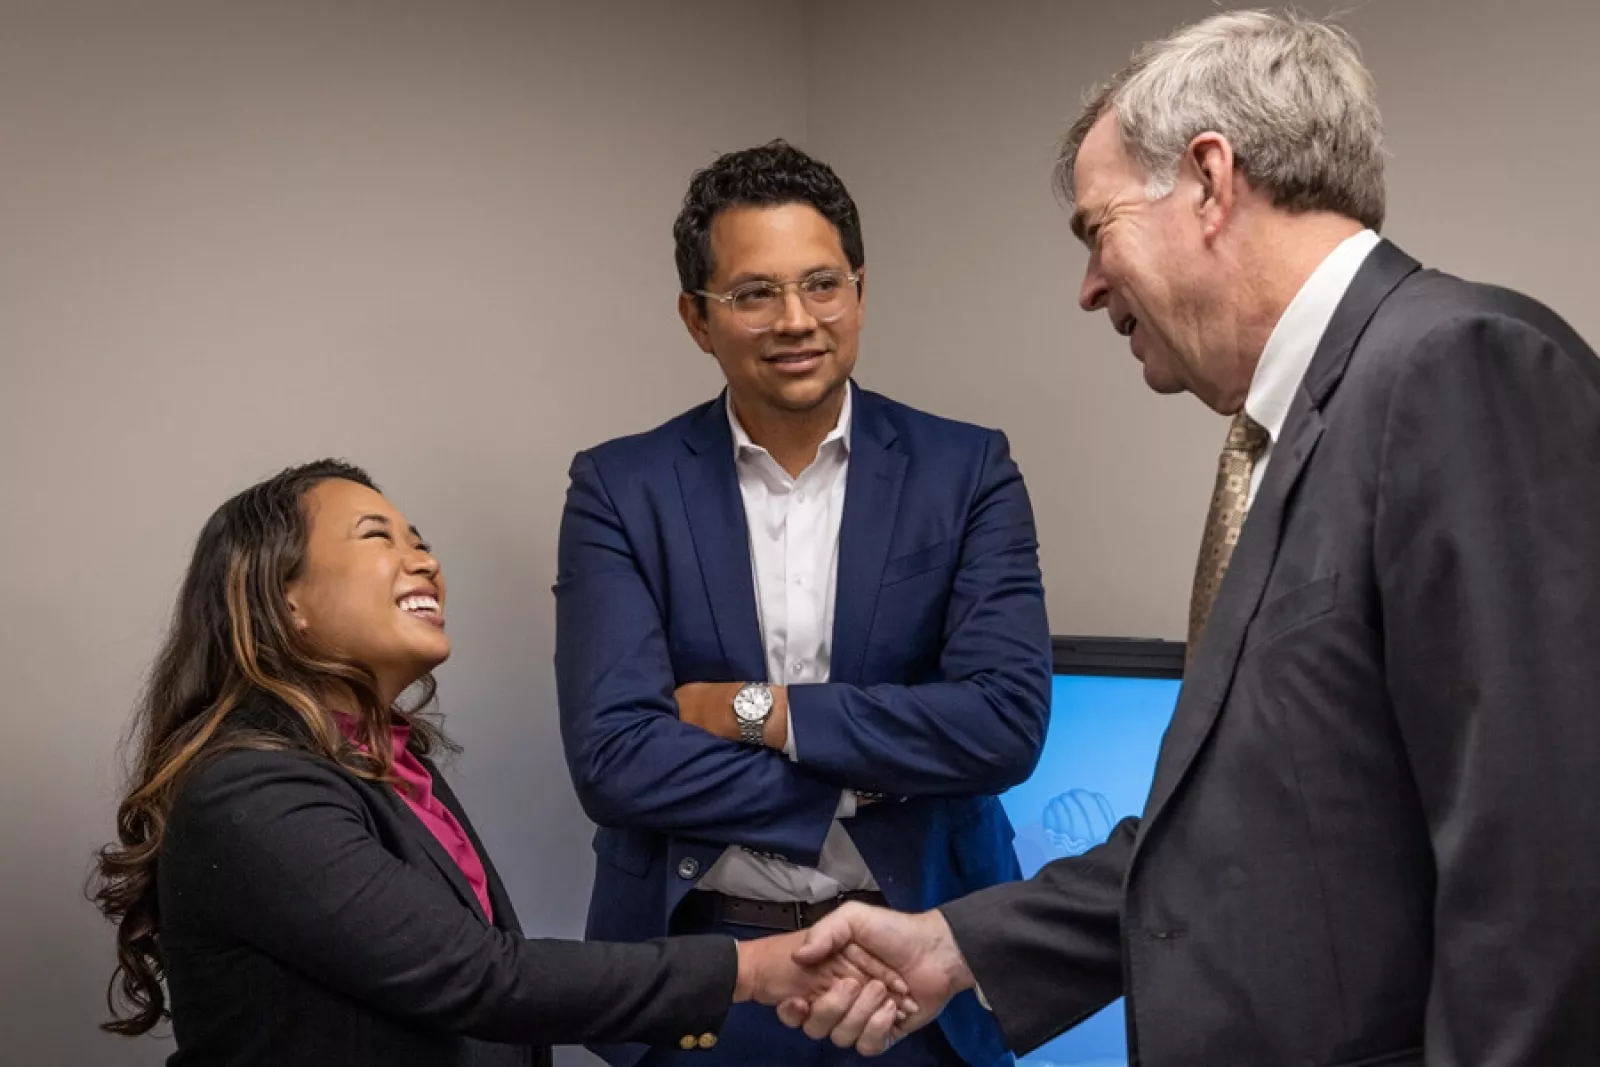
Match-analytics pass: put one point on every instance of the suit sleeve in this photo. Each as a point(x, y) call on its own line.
point(634, 764)
point(1487, 548)
point(1047, 952)
point(980, 728)
point(274, 845)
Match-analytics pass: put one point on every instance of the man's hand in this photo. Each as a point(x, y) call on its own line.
point(919, 948)
point(709, 705)
point(770, 973)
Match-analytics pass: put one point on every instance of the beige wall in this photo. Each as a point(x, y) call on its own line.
point(433, 238)
point(942, 115)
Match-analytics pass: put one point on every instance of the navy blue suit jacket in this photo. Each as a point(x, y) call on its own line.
point(940, 680)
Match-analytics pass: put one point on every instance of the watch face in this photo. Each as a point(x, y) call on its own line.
point(753, 703)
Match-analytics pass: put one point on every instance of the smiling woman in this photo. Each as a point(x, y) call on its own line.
point(294, 883)
point(370, 590)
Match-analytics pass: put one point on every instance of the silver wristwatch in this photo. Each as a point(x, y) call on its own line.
point(752, 707)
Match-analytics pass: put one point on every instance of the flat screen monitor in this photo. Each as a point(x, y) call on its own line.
point(1112, 701)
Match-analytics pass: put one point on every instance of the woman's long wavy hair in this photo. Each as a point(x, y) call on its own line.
point(232, 635)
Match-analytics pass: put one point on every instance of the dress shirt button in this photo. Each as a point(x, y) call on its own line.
point(688, 867)
point(800, 580)
point(687, 1043)
point(800, 498)
point(797, 666)
point(708, 1041)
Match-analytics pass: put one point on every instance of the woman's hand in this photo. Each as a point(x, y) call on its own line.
point(768, 974)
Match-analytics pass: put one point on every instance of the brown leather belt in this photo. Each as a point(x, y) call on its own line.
point(772, 914)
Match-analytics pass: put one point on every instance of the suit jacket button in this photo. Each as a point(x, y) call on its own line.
point(687, 1042)
point(688, 867)
point(708, 1041)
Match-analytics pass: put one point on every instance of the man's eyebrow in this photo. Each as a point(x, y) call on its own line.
point(745, 277)
point(1080, 226)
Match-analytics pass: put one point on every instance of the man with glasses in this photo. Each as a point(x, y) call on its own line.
point(800, 630)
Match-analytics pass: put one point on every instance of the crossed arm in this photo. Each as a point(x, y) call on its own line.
point(649, 753)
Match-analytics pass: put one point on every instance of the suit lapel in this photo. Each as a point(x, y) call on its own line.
point(709, 482)
point(1212, 670)
point(505, 916)
point(871, 506)
point(267, 713)
point(421, 836)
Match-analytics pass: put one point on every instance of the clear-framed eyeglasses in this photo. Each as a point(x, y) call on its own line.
point(758, 306)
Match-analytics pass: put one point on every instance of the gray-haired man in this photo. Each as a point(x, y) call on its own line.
point(1371, 837)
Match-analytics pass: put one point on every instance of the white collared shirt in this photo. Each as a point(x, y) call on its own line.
point(1295, 339)
point(794, 554)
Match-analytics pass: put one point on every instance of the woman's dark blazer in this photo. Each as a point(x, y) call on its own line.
point(307, 917)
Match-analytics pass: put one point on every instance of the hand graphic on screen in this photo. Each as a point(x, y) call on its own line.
point(1077, 820)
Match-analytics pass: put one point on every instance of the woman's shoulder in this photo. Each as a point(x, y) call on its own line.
point(260, 714)
point(259, 761)
point(250, 809)
point(240, 787)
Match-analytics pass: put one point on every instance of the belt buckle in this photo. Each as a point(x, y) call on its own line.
point(821, 909)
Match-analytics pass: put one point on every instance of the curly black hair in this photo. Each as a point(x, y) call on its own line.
point(774, 173)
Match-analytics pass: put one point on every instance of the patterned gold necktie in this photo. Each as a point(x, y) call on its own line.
point(1247, 439)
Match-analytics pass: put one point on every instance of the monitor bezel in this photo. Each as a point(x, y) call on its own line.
point(1124, 657)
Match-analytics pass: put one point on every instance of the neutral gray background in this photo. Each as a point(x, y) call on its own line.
point(434, 238)
point(943, 117)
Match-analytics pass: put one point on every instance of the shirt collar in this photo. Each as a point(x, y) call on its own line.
point(742, 444)
point(1299, 331)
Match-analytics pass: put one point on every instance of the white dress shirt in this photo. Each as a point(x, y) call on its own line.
point(1295, 339)
point(794, 553)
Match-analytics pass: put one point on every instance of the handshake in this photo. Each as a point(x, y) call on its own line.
point(862, 977)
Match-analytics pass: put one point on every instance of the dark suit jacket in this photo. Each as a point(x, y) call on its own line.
point(309, 918)
point(940, 676)
point(1372, 833)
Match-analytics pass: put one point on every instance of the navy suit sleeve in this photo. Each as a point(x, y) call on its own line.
point(1486, 540)
point(981, 727)
point(634, 764)
point(275, 849)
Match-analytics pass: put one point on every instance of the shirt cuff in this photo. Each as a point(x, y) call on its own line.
point(847, 798)
point(788, 743)
point(983, 1000)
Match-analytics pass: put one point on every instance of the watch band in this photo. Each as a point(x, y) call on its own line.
point(753, 733)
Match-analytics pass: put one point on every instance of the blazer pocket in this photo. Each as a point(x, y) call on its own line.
point(920, 561)
point(621, 852)
point(1287, 610)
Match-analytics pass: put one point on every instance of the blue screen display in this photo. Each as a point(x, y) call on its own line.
point(1099, 758)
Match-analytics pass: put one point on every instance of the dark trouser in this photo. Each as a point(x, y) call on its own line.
point(753, 1036)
